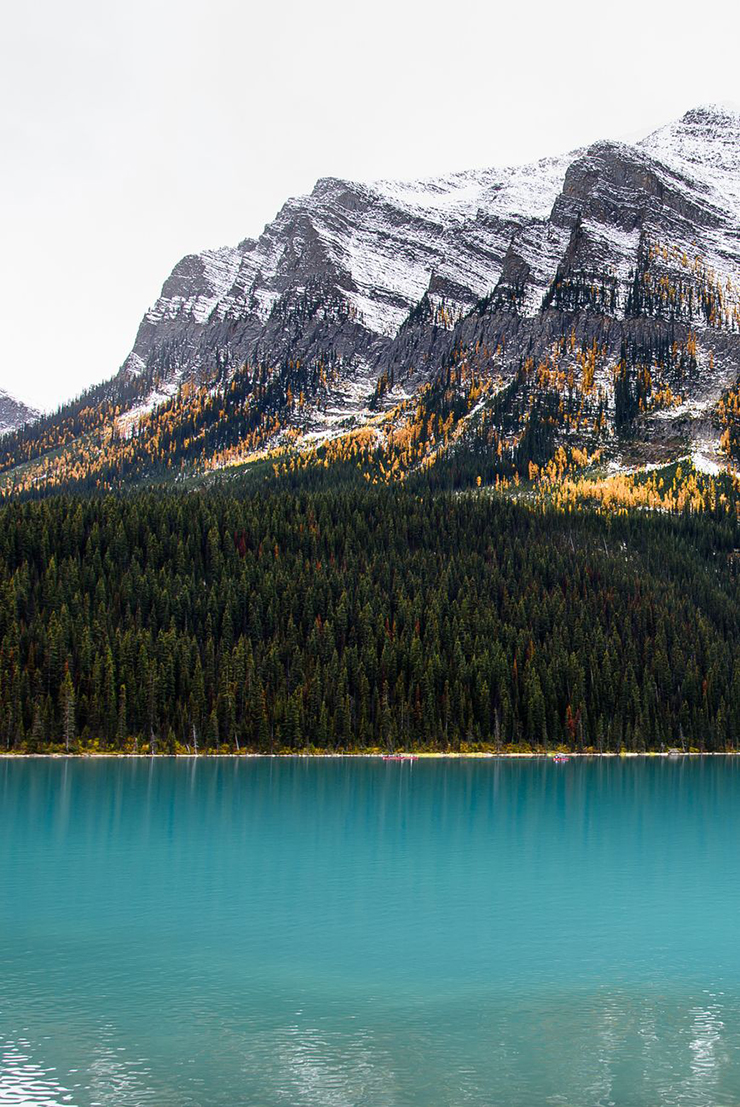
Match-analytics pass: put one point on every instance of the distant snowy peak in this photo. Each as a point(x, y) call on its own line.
point(14, 413)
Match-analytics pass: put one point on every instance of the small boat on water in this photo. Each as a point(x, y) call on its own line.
point(400, 757)
point(559, 758)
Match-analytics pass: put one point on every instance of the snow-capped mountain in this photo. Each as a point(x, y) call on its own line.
point(14, 413)
point(365, 276)
point(381, 247)
point(589, 299)
point(345, 266)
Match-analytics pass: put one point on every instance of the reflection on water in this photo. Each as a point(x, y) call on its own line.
point(368, 934)
point(24, 1082)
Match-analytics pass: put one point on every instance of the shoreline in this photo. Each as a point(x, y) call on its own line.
point(402, 755)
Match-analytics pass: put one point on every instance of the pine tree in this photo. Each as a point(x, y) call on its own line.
point(67, 709)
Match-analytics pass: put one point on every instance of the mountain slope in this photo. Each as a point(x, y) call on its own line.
point(14, 413)
point(589, 302)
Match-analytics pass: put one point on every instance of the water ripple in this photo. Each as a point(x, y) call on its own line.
point(26, 1083)
point(301, 934)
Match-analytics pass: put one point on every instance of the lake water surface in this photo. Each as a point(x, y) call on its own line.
point(368, 934)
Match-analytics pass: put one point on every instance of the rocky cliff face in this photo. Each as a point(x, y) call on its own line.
point(338, 273)
point(614, 243)
point(14, 413)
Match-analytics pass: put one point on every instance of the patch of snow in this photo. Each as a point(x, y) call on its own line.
point(542, 246)
point(134, 364)
point(619, 247)
point(531, 190)
point(705, 146)
point(219, 271)
point(632, 470)
point(478, 407)
point(264, 300)
point(129, 420)
point(377, 314)
point(704, 464)
point(688, 408)
point(527, 191)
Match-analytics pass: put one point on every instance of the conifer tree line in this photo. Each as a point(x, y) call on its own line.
point(358, 618)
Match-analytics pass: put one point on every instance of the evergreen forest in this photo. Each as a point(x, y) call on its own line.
point(360, 617)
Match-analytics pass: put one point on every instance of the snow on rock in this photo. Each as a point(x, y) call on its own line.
point(197, 286)
point(379, 244)
point(704, 464)
point(14, 413)
point(704, 145)
point(337, 275)
point(129, 420)
point(704, 148)
point(527, 191)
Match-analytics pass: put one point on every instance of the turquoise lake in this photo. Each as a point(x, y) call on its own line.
point(370, 934)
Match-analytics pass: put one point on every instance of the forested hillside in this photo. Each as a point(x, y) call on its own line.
point(360, 618)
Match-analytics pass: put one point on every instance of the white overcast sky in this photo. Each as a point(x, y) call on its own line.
point(133, 132)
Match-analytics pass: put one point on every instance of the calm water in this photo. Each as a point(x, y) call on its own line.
point(365, 933)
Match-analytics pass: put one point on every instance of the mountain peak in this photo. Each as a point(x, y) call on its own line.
point(711, 115)
point(704, 144)
point(698, 130)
